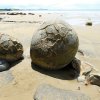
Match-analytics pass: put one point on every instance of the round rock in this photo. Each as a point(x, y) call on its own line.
point(54, 45)
point(10, 49)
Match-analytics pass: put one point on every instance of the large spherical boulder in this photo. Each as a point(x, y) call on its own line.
point(10, 49)
point(54, 45)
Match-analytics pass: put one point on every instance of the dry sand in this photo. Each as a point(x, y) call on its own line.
point(21, 81)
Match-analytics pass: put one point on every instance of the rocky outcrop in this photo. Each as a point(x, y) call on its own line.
point(89, 74)
point(48, 92)
point(94, 79)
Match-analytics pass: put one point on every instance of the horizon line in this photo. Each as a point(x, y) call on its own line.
point(44, 9)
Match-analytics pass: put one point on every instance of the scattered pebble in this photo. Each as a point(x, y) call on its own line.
point(81, 78)
point(79, 88)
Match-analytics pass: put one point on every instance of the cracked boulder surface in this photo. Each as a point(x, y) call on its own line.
point(54, 45)
point(10, 48)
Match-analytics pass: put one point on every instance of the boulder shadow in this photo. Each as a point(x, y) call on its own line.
point(12, 64)
point(66, 73)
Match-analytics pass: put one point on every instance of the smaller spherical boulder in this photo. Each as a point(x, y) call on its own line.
point(89, 23)
point(10, 49)
point(54, 45)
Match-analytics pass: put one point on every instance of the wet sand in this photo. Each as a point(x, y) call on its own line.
point(24, 79)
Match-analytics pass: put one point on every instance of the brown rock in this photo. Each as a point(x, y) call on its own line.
point(10, 48)
point(54, 45)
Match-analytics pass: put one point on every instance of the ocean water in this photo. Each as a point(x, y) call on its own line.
point(81, 17)
point(76, 17)
point(73, 17)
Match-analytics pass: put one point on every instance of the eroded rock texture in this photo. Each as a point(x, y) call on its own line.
point(10, 48)
point(54, 45)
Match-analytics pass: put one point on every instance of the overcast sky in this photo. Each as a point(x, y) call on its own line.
point(61, 4)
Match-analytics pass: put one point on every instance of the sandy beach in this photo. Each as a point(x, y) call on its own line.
point(21, 81)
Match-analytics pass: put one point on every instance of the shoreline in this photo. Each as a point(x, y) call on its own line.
point(72, 17)
point(26, 80)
